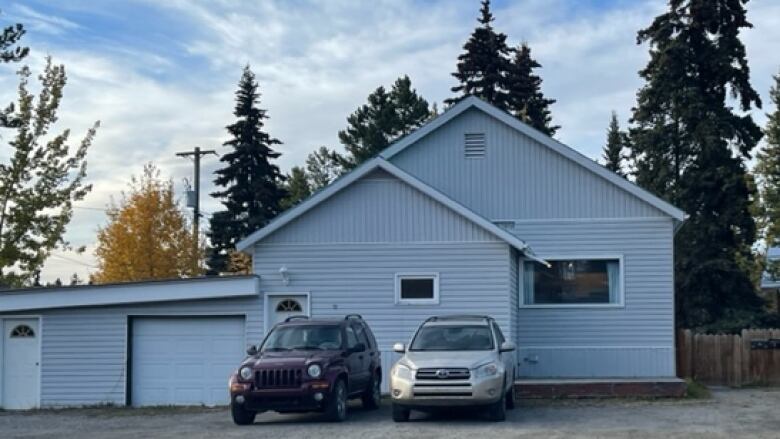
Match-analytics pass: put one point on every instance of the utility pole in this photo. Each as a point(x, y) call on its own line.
point(195, 204)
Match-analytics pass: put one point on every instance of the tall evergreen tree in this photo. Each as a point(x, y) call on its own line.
point(613, 150)
point(322, 167)
point(482, 68)
point(10, 51)
point(683, 137)
point(768, 176)
point(252, 184)
point(298, 188)
point(384, 118)
point(525, 98)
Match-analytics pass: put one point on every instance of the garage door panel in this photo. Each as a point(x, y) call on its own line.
point(184, 361)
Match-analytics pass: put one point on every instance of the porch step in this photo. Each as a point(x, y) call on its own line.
point(600, 388)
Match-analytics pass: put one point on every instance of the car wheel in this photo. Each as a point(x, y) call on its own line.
point(400, 413)
point(372, 397)
point(336, 409)
point(497, 410)
point(510, 396)
point(242, 416)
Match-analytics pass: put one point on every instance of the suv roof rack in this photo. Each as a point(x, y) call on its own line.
point(458, 317)
point(353, 316)
point(298, 317)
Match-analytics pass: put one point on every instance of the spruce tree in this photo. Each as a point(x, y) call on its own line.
point(682, 139)
point(525, 98)
point(613, 150)
point(322, 167)
point(252, 184)
point(10, 51)
point(482, 67)
point(768, 176)
point(384, 118)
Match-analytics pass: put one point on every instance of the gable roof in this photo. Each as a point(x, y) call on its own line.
point(364, 169)
point(566, 151)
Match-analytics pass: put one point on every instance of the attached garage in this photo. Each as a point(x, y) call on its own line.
point(183, 361)
point(151, 343)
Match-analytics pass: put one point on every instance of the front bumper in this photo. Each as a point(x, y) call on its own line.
point(413, 392)
point(310, 396)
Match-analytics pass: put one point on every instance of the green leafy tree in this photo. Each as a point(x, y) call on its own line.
point(689, 147)
point(525, 98)
point(613, 150)
point(482, 67)
point(384, 118)
point(297, 186)
point(253, 186)
point(768, 175)
point(40, 179)
point(322, 167)
point(10, 51)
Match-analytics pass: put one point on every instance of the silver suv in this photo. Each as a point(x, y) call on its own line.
point(454, 361)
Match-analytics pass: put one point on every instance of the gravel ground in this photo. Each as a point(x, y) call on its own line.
point(729, 413)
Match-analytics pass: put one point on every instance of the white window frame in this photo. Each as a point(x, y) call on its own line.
point(416, 275)
point(574, 257)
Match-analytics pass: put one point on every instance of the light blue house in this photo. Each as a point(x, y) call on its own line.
point(474, 213)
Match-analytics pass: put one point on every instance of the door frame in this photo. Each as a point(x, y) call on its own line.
point(266, 311)
point(39, 328)
point(129, 339)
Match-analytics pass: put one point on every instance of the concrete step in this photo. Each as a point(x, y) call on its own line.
point(600, 388)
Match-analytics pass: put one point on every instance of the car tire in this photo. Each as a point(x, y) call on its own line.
point(510, 396)
point(372, 396)
point(336, 407)
point(242, 416)
point(400, 413)
point(497, 410)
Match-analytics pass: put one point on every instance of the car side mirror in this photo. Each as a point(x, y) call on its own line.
point(399, 347)
point(507, 346)
point(360, 347)
point(251, 350)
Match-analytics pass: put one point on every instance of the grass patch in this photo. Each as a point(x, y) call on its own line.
point(696, 390)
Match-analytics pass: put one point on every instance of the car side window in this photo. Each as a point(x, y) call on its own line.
point(362, 336)
point(499, 335)
point(352, 340)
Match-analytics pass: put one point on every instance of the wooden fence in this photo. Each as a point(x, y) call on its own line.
point(750, 358)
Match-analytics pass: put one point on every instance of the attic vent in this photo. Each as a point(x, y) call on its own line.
point(474, 145)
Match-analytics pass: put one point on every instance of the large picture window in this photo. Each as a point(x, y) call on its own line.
point(573, 282)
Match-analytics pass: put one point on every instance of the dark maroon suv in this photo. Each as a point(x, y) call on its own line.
point(308, 365)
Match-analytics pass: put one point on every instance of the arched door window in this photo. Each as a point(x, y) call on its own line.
point(22, 331)
point(289, 305)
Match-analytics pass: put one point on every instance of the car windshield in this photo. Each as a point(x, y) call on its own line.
point(453, 338)
point(304, 337)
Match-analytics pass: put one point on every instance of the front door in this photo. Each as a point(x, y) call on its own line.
point(281, 307)
point(21, 363)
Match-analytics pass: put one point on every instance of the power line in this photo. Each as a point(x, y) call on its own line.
point(75, 261)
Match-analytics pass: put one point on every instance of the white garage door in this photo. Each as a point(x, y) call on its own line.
point(184, 361)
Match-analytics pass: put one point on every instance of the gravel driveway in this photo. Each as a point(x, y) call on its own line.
point(729, 413)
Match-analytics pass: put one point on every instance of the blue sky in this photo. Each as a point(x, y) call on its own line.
point(160, 75)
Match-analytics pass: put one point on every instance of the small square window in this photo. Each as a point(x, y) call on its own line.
point(417, 289)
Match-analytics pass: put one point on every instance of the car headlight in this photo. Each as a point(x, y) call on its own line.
point(245, 373)
point(401, 371)
point(314, 371)
point(487, 370)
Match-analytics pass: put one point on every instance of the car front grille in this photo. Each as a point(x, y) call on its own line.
point(278, 378)
point(443, 373)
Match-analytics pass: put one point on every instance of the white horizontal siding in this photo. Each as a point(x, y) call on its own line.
point(634, 340)
point(84, 349)
point(518, 178)
point(360, 278)
point(380, 208)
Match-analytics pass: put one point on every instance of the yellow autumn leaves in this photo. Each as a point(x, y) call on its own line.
point(147, 235)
